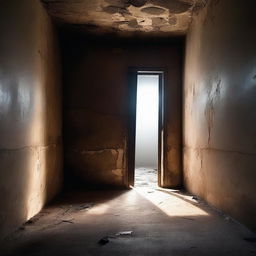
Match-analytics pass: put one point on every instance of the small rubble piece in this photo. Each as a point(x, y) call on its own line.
point(195, 198)
point(124, 233)
point(106, 239)
point(250, 239)
point(103, 240)
point(68, 221)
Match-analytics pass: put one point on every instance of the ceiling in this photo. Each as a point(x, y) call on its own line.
point(102, 16)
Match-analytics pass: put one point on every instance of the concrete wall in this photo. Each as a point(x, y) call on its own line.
point(96, 103)
point(219, 108)
point(30, 117)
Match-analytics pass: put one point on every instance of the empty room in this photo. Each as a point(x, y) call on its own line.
point(127, 127)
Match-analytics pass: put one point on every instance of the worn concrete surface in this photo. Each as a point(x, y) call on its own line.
point(219, 102)
point(163, 222)
point(125, 16)
point(96, 105)
point(30, 116)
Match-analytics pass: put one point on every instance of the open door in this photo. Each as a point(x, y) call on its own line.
point(132, 85)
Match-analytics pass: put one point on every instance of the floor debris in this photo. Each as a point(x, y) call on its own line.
point(68, 221)
point(106, 239)
point(124, 233)
point(154, 233)
point(103, 241)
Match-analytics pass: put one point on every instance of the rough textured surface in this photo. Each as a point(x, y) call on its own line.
point(146, 177)
point(163, 222)
point(30, 118)
point(99, 16)
point(219, 103)
point(96, 106)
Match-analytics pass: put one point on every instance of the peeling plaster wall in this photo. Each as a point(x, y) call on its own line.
point(96, 101)
point(30, 117)
point(219, 108)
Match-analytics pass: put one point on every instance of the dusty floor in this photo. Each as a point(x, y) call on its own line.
point(163, 222)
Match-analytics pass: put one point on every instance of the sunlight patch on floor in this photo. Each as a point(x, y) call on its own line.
point(170, 204)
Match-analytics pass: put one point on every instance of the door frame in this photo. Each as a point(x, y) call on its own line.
point(133, 72)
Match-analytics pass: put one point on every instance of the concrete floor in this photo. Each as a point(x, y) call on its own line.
point(163, 222)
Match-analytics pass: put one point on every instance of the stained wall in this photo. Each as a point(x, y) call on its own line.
point(96, 103)
point(30, 112)
point(219, 103)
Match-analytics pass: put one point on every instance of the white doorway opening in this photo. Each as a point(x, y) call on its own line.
point(147, 135)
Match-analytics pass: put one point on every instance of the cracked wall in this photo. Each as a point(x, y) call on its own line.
point(96, 105)
point(219, 103)
point(30, 117)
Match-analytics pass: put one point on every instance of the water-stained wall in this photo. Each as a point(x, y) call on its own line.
point(30, 116)
point(219, 108)
point(96, 105)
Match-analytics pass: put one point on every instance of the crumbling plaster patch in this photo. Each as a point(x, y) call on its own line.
point(120, 15)
point(109, 160)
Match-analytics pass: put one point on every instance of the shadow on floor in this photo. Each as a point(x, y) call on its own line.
point(162, 223)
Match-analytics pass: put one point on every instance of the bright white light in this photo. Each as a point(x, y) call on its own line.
point(146, 151)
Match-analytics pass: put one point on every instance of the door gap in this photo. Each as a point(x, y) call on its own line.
point(147, 130)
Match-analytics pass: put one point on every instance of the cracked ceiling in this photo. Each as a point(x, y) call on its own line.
point(124, 16)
